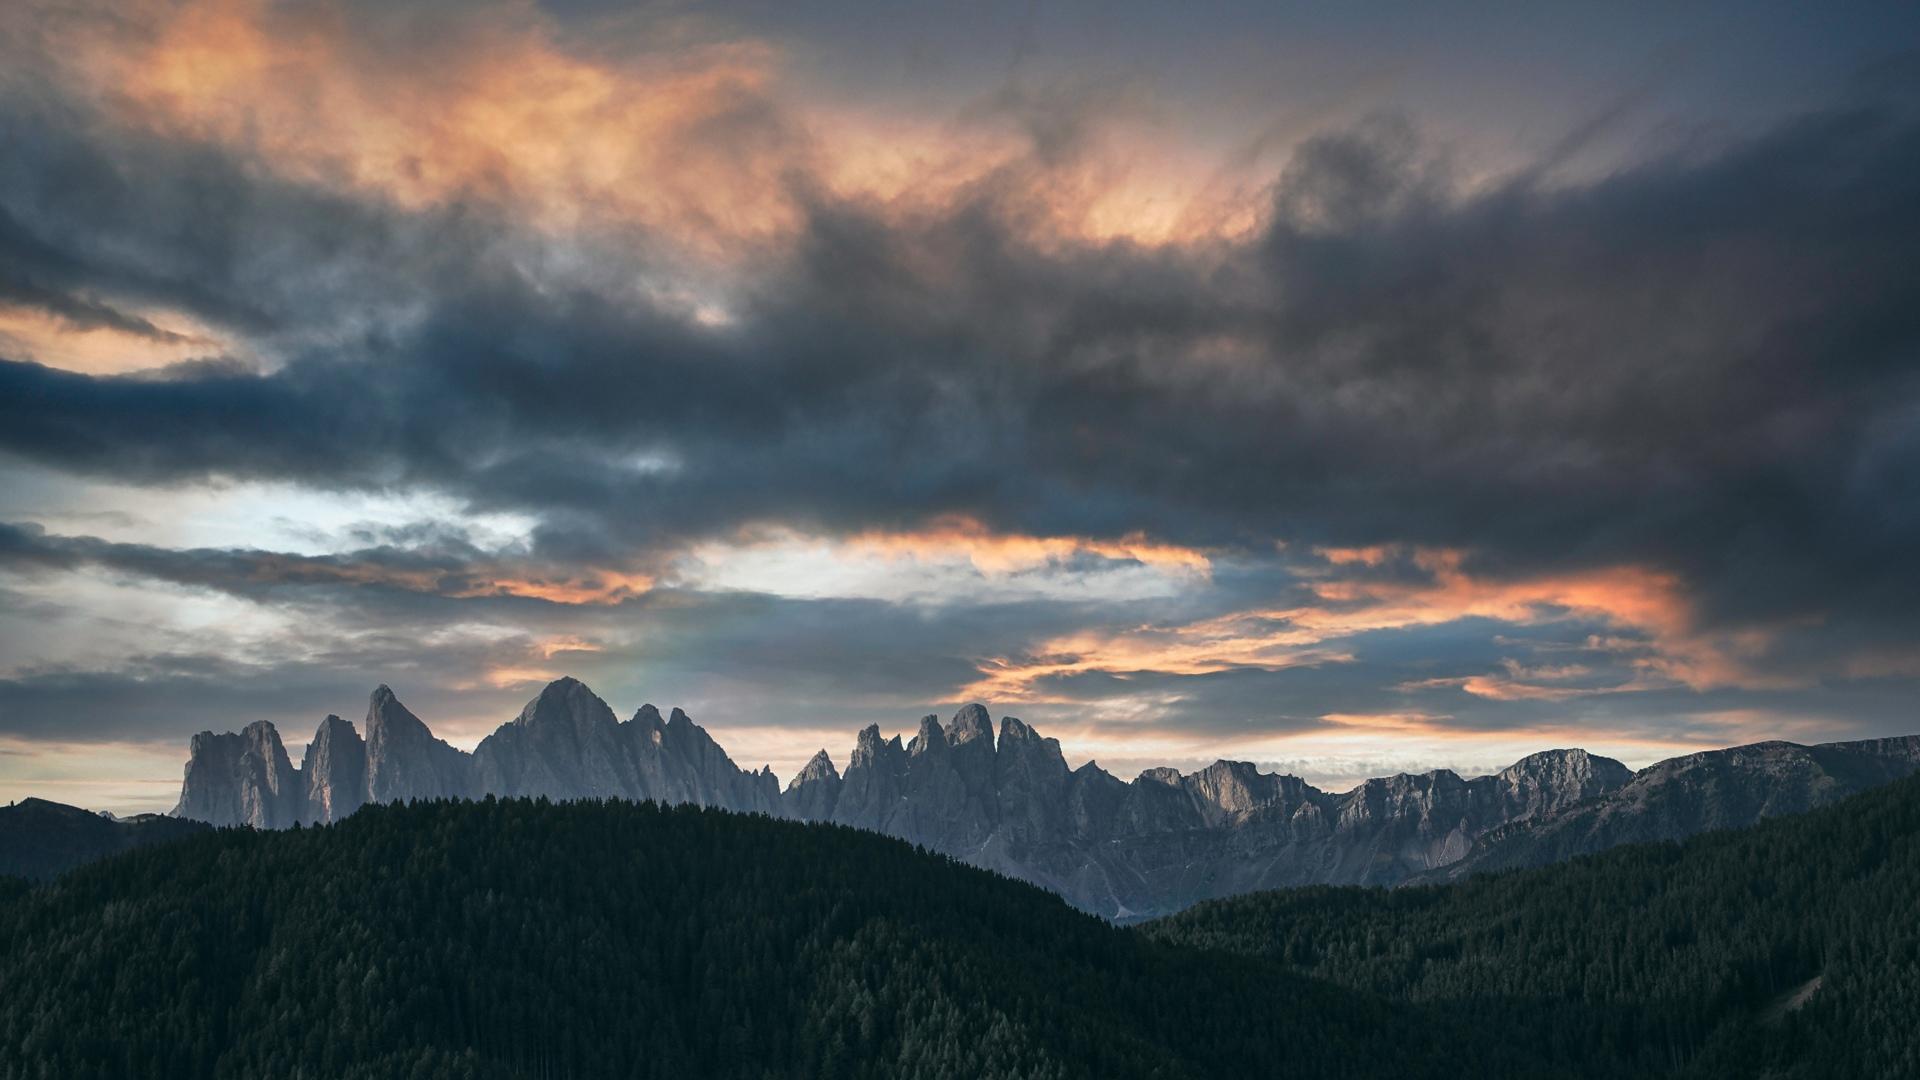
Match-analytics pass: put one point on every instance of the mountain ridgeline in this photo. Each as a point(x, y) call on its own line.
point(41, 839)
point(1124, 850)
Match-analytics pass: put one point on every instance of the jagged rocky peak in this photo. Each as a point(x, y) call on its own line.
point(331, 729)
point(970, 723)
point(1552, 779)
point(1014, 729)
point(814, 790)
point(404, 760)
point(1021, 747)
point(1030, 779)
point(334, 770)
point(818, 767)
point(263, 737)
point(388, 719)
point(241, 778)
point(567, 701)
point(1229, 791)
point(869, 747)
point(689, 738)
point(931, 738)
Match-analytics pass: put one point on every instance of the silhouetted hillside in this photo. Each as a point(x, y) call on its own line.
point(1790, 949)
point(39, 839)
point(592, 939)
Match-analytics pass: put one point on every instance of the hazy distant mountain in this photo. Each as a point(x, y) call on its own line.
point(39, 839)
point(1123, 849)
point(1676, 798)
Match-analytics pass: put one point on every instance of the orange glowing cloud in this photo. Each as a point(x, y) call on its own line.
point(46, 338)
point(1650, 602)
point(566, 643)
point(584, 586)
point(1239, 641)
point(589, 587)
point(494, 109)
point(995, 553)
point(705, 142)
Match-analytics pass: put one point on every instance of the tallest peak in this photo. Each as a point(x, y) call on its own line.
point(970, 723)
point(566, 701)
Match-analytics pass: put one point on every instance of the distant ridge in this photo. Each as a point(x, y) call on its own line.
point(40, 839)
point(1123, 850)
point(1676, 798)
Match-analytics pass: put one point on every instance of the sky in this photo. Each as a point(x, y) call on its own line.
point(1348, 388)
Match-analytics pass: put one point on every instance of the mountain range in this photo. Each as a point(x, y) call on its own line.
point(1125, 850)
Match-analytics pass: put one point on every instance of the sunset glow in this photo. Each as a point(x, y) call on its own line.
point(1308, 397)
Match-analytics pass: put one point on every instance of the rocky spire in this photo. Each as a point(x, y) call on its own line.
point(242, 778)
point(930, 739)
point(706, 775)
point(334, 771)
point(814, 790)
point(970, 723)
point(1030, 778)
point(875, 783)
point(405, 761)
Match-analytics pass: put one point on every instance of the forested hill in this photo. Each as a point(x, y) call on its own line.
point(39, 839)
point(497, 939)
point(1791, 949)
point(514, 938)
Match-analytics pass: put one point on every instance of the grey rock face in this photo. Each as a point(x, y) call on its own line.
point(405, 761)
point(874, 788)
point(814, 790)
point(1716, 789)
point(701, 772)
point(1119, 849)
point(1553, 780)
point(335, 772)
point(1166, 840)
point(565, 744)
point(241, 779)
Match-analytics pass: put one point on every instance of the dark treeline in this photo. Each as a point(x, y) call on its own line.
point(41, 839)
point(1682, 957)
point(612, 939)
point(525, 939)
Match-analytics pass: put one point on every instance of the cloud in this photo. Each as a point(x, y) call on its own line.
point(451, 570)
point(662, 303)
point(1543, 377)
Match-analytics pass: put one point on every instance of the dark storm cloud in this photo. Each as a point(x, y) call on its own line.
point(1704, 363)
point(447, 569)
point(165, 699)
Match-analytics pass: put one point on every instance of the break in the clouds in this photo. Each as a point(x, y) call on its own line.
point(1337, 413)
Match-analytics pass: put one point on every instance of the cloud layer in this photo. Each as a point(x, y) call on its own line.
point(1372, 431)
